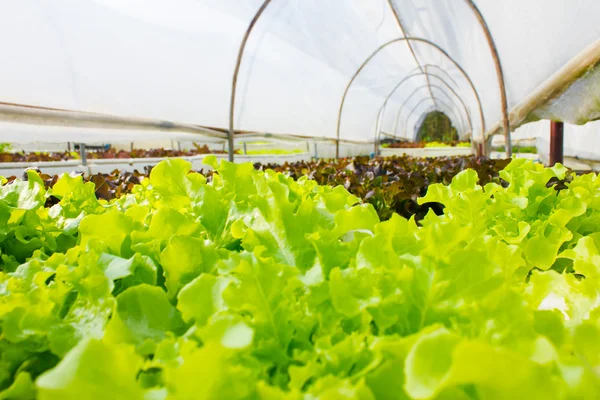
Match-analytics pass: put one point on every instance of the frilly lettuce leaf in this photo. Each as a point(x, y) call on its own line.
point(253, 285)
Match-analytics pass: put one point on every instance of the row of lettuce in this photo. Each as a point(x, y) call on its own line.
point(423, 145)
point(391, 185)
point(111, 153)
point(256, 285)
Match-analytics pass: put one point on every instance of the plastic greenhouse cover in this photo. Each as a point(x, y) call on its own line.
point(174, 60)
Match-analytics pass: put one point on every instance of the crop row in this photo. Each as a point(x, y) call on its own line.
point(104, 154)
point(391, 185)
point(255, 285)
point(421, 145)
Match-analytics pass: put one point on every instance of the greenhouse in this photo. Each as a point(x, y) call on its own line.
point(300, 199)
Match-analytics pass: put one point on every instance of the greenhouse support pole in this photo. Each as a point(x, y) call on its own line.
point(557, 130)
point(378, 127)
point(235, 76)
point(82, 154)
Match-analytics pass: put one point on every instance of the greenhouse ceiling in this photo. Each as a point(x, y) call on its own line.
point(301, 67)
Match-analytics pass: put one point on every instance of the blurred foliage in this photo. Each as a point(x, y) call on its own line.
point(420, 145)
point(391, 185)
point(519, 150)
point(437, 127)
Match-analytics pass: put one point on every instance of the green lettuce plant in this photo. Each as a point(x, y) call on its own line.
point(258, 286)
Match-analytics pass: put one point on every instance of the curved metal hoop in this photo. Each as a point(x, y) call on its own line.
point(428, 66)
point(436, 105)
point(412, 51)
point(403, 31)
point(499, 74)
point(428, 76)
point(383, 46)
point(440, 69)
point(236, 73)
point(464, 123)
point(453, 91)
point(413, 75)
point(420, 88)
point(489, 38)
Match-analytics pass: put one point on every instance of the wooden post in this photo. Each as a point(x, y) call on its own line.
point(556, 142)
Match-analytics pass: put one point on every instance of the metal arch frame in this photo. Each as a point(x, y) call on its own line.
point(419, 88)
point(417, 106)
point(478, 16)
point(403, 31)
point(408, 44)
point(444, 71)
point(436, 105)
point(380, 48)
point(466, 109)
point(468, 123)
point(236, 73)
point(497, 64)
point(415, 74)
point(428, 74)
point(440, 69)
point(499, 74)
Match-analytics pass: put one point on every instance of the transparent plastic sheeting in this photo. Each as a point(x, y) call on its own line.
point(580, 141)
point(174, 59)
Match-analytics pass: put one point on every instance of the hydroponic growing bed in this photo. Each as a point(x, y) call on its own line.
point(106, 162)
point(390, 184)
point(256, 285)
point(433, 149)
